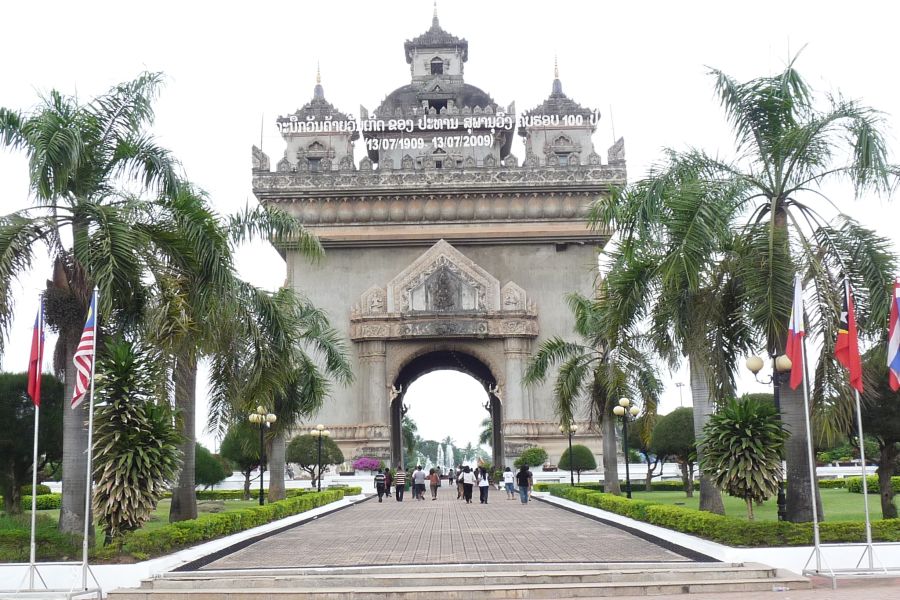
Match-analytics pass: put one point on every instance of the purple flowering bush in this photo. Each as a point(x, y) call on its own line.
point(366, 463)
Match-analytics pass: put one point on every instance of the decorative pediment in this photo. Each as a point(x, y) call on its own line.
point(372, 302)
point(443, 280)
point(513, 297)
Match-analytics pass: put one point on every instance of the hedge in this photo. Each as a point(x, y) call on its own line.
point(143, 544)
point(854, 484)
point(730, 531)
point(254, 494)
point(44, 501)
point(42, 489)
point(830, 484)
point(636, 486)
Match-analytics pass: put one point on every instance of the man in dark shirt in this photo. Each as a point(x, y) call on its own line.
point(524, 481)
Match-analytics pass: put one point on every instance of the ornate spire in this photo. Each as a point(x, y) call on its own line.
point(318, 91)
point(557, 84)
point(555, 67)
point(434, 18)
point(319, 73)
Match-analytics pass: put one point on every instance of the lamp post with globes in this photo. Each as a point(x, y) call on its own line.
point(263, 419)
point(571, 428)
point(627, 411)
point(319, 432)
point(781, 367)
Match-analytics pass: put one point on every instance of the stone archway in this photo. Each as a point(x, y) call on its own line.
point(440, 360)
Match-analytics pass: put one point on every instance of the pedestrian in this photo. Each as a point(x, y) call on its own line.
point(434, 479)
point(484, 484)
point(468, 479)
point(451, 477)
point(388, 481)
point(524, 481)
point(459, 482)
point(419, 479)
point(400, 482)
point(379, 483)
point(509, 479)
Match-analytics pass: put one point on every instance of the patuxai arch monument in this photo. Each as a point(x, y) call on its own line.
point(443, 250)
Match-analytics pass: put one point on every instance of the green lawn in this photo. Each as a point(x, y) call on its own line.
point(838, 505)
point(160, 516)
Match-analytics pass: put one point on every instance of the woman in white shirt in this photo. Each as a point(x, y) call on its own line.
point(468, 479)
point(509, 479)
point(483, 485)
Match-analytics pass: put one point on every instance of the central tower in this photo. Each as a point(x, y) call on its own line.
point(443, 251)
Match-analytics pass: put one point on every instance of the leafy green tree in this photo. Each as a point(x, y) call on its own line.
point(640, 449)
point(209, 469)
point(533, 457)
point(16, 435)
point(881, 419)
point(408, 430)
point(581, 459)
point(744, 447)
point(241, 446)
point(610, 361)
point(486, 435)
point(673, 437)
point(86, 162)
point(758, 220)
point(304, 451)
point(136, 455)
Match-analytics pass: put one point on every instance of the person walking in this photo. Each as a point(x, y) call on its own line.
point(468, 479)
point(388, 481)
point(434, 480)
point(459, 482)
point(419, 481)
point(524, 481)
point(484, 484)
point(509, 479)
point(400, 482)
point(379, 483)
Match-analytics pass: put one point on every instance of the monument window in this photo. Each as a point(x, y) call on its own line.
point(437, 66)
point(562, 159)
point(315, 164)
point(437, 105)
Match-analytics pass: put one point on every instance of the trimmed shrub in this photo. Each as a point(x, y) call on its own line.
point(143, 544)
point(44, 502)
point(730, 531)
point(656, 486)
point(42, 489)
point(533, 457)
point(831, 484)
point(854, 484)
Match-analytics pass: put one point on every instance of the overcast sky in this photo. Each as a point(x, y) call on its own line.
point(230, 68)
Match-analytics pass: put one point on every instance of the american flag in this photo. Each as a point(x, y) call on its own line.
point(84, 355)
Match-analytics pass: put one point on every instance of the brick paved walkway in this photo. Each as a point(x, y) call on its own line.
point(446, 531)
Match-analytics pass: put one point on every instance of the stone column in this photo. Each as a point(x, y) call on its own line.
point(374, 405)
point(516, 397)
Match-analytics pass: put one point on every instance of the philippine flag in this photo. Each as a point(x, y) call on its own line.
point(893, 353)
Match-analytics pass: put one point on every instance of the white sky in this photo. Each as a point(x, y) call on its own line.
point(228, 66)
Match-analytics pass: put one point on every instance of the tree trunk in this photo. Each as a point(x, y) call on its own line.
point(276, 467)
point(710, 496)
point(74, 467)
point(749, 508)
point(885, 472)
point(610, 457)
point(247, 484)
point(686, 480)
point(648, 481)
point(798, 476)
point(184, 496)
point(11, 489)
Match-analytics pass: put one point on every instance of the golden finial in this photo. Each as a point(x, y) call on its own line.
point(555, 67)
point(434, 18)
point(318, 73)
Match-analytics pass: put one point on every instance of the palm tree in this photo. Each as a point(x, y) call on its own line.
point(81, 157)
point(681, 283)
point(610, 362)
point(486, 436)
point(788, 145)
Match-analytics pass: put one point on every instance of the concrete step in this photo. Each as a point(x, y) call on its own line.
point(477, 582)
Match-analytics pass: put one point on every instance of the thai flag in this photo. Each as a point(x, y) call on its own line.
point(893, 353)
point(84, 355)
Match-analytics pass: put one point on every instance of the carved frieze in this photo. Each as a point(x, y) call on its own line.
point(397, 327)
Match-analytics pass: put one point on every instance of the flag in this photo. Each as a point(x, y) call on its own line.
point(893, 353)
point(796, 331)
point(84, 355)
point(846, 349)
point(37, 358)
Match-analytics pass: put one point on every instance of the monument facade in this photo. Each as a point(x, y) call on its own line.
point(443, 250)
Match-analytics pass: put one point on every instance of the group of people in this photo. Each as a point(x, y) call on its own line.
point(463, 477)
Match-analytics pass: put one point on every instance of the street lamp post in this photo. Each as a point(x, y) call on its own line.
point(680, 385)
point(570, 429)
point(319, 432)
point(781, 367)
point(263, 419)
point(626, 410)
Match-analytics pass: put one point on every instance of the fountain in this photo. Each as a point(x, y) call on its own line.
point(440, 459)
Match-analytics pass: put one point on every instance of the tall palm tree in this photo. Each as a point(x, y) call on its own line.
point(608, 363)
point(486, 435)
point(789, 143)
point(81, 157)
point(674, 271)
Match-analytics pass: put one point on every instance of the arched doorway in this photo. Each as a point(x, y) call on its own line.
point(443, 360)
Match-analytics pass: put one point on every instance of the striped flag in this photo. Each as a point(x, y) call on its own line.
point(36, 360)
point(893, 353)
point(84, 355)
point(796, 331)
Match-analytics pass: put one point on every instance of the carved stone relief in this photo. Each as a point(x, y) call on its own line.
point(513, 297)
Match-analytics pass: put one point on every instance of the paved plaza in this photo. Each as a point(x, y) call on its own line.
point(446, 531)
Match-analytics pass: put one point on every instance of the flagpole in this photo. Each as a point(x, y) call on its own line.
point(865, 483)
point(31, 555)
point(809, 456)
point(90, 448)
